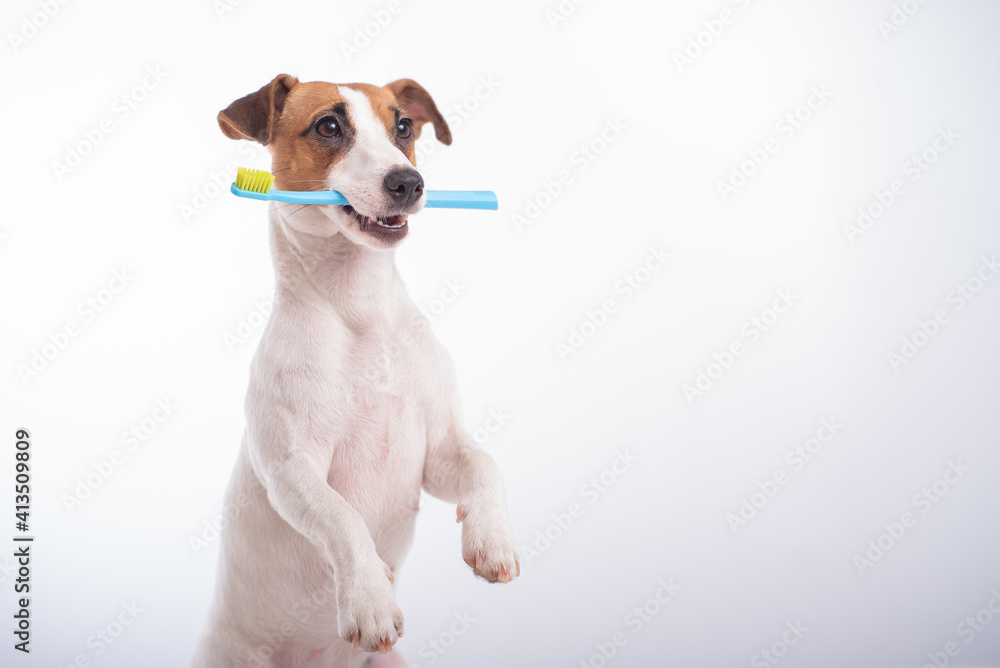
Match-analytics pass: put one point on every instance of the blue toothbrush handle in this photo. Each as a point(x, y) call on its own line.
point(462, 199)
point(440, 199)
point(293, 196)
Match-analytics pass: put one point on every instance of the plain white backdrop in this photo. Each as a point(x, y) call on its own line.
point(111, 162)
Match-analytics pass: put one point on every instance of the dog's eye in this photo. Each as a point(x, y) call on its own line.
point(404, 128)
point(328, 127)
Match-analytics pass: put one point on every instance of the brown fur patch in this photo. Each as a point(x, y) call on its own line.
point(300, 160)
point(419, 106)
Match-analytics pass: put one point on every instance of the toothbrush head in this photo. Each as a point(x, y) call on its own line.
point(254, 180)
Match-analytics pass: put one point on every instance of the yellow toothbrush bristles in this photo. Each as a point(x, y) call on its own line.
point(254, 180)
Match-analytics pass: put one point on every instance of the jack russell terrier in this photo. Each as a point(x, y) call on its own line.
point(351, 408)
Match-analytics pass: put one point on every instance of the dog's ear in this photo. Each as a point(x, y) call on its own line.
point(254, 116)
point(419, 106)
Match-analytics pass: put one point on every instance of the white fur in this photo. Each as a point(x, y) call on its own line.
point(359, 175)
point(351, 410)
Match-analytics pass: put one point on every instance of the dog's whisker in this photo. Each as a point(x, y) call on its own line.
point(282, 206)
point(294, 212)
point(287, 204)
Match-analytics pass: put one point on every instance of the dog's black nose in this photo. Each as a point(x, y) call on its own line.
point(405, 186)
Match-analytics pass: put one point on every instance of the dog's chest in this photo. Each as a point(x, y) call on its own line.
point(385, 381)
point(386, 363)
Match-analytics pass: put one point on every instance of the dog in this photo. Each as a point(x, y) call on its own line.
point(351, 408)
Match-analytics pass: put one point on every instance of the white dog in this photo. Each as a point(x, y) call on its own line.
point(352, 406)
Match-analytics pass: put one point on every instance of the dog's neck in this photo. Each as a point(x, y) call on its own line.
point(361, 284)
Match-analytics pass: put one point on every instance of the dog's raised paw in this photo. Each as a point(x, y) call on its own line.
point(367, 614)
point(488, 543)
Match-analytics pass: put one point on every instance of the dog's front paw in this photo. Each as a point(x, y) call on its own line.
point(367, 614)
point(488, 542)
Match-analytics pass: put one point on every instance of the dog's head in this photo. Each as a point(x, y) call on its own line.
point(354, 138)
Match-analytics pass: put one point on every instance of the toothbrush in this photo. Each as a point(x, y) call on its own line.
point(256, 184)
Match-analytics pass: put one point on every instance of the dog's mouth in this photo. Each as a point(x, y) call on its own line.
point(385, 228)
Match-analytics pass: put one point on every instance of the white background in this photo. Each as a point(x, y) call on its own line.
point(195, 276)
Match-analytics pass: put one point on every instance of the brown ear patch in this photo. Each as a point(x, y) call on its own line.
point(255, 115)
point(420, 107)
